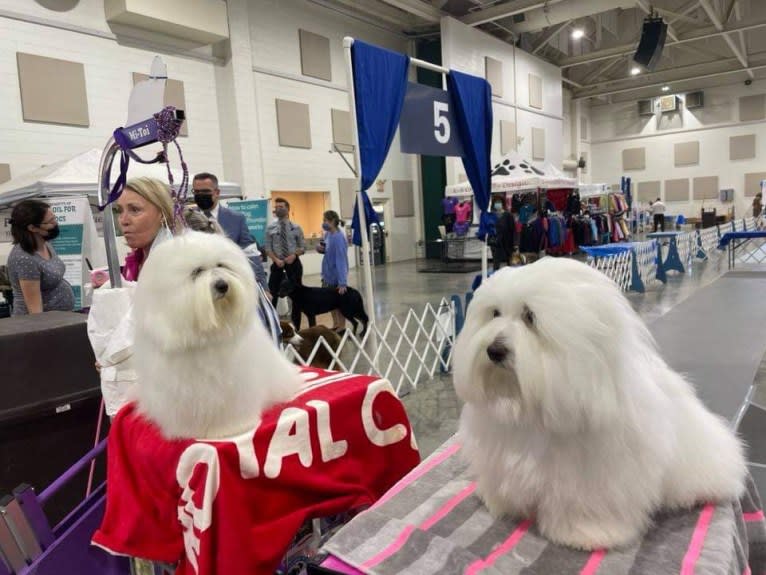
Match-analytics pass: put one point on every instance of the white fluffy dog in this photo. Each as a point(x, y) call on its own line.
point(571, 415)
point(206, 367)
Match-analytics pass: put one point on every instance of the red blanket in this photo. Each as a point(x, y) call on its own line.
point(233, 506)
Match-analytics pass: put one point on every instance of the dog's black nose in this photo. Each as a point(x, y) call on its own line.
point(221, 286)
point(497, 352)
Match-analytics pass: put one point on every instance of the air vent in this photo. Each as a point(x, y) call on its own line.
point(695, 100)
point(645, 108)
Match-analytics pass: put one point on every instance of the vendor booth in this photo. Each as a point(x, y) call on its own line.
point(538, 198)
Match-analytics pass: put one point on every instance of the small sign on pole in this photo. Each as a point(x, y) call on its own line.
point(427, 124)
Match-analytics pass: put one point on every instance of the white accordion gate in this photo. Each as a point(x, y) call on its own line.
point(408, 351)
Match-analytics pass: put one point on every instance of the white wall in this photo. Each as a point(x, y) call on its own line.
point(274, 26)
point(108, 77)
point(464, 48)
point(618, 126)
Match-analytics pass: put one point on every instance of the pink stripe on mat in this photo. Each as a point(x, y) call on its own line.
point(593, 562)
point(391, 549)
point(447, 507)
point(401, 539)
point(753, 516)
point(506, 546)
point(417, 473)
point(698, 540)
point(334, 564)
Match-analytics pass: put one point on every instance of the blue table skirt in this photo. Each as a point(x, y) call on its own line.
point(731, 236)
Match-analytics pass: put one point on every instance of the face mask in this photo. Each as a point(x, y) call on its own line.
point(280, 212)
point(498, 206)
point(326, 226)
point(53, 233)
point(203, 201)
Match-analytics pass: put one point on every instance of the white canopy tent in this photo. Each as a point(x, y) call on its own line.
point(79, 175)
point(513, 173)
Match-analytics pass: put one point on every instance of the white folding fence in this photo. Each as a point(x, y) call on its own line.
point(615, 266)
point(409, 349)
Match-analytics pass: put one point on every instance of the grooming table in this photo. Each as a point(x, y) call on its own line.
point(235, 505)
point(752, 243)
point(432, 522)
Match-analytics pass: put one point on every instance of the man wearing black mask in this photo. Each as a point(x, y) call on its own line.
point(206, 194)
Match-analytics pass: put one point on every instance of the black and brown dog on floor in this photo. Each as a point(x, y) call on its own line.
point(314, 301)
point(305, 340)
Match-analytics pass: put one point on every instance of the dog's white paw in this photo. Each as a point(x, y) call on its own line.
point(499, 506)
point(588, 533)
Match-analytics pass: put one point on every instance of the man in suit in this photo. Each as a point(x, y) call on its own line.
point(206, 194)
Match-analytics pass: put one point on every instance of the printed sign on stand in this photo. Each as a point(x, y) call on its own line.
point(76, 239)
point(257, 215)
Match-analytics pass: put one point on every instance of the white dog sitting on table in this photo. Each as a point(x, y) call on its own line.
point(573, 418)
point(206, 366)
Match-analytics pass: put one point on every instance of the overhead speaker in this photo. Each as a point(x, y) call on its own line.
point(652, 42)
point(695, 100)
point(645, 108)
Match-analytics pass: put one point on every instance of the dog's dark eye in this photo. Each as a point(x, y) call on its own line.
point(496, 313)
point(196, 272)
point(220, 265)
point(528, 316)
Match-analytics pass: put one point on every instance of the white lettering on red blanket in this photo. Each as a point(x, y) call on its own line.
point(198, 468)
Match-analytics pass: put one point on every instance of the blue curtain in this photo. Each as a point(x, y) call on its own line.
point(380, 83)
point(472, 99)
point(369, 213)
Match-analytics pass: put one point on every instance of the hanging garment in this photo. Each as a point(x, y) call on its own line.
point(448, 205)
point(463, 212)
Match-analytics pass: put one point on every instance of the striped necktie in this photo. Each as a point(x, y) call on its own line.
point(283, 247)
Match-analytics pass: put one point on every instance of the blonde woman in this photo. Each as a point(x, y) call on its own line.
point(145, 213)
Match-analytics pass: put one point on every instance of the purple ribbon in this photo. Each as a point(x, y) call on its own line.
point(121, 140)
point(168, 128)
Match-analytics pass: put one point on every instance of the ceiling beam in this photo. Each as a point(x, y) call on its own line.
point(741, 56)
point(548, 35)
point(418, 8)
point(666, 75)
point(499, 11)
point(684, 10)
point(692, 73)
point(600, 71)
point(607, 92)
point(629, 49)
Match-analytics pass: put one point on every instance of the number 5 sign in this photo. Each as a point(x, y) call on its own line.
point(427, 125)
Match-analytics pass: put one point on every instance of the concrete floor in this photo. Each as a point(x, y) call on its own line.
point(433, 407)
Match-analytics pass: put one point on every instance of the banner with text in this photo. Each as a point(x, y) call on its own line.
point(257, 215)
point(76, 241)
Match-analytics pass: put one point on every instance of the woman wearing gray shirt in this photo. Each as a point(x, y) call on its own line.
point(35, 271)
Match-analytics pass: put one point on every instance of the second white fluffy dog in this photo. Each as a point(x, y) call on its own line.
point(206, 367)
point(573, 418)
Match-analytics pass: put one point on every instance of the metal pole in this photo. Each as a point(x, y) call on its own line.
point(104, 169)
point(366, 255)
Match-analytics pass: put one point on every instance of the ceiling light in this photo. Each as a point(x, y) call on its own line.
point(578, 33)
point(666, 88)
point(635, 71)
